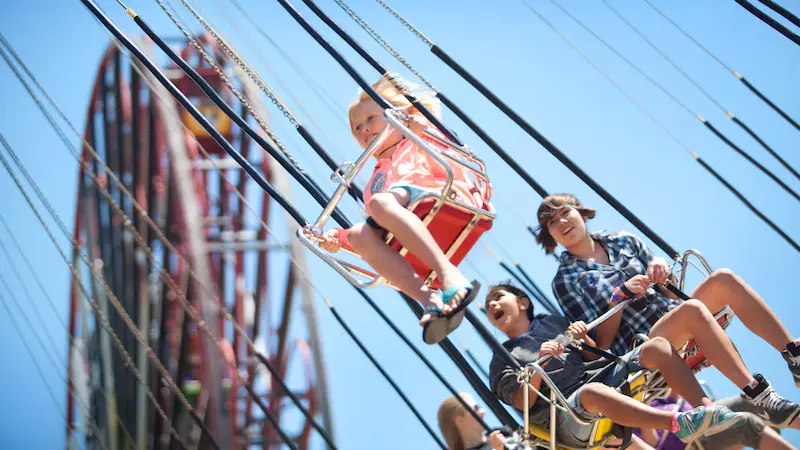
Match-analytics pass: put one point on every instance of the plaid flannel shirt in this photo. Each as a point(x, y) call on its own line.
point(584, 288)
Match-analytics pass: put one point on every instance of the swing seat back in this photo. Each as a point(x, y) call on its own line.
point(454, 229)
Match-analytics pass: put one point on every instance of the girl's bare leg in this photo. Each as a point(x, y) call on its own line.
point(725, 288)
point(367, 242)
point(389, 210)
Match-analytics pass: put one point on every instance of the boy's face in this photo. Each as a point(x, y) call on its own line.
point(567, 227)
point(505, 310)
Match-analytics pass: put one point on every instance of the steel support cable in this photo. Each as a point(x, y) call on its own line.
point(39, 371)
point(444, 99)
point(37, 312)
point(782, 11)
point(101, 317)
point(252, 75)
point(298, 174)
point(70, 387)
point(137, 335)
point(386, 375)
point(301, 221)
point(185, 304)
point(541, 139)
point(72, 340)
point(694, 155)
point(680, 70)
point(777, 26)
point(697, 116)
point(747, 84)
point(448, 347)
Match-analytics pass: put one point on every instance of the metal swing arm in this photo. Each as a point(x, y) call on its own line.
point(345, 174)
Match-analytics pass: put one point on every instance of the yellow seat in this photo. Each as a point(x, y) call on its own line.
point(541, 436)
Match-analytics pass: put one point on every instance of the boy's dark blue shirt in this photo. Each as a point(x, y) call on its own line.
point(568, 375)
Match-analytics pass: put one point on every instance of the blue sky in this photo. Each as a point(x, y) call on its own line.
point(525, 63)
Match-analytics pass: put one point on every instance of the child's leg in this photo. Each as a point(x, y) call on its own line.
point(658, 353)
point(723, 287)
point(693, 319)
point(636, 444)
point(367, 242)
point(771, 440)
point(598, 398)
point(389, 210)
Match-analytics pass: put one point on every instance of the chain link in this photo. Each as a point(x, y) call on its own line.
point(229, 83)
point(405, 22)
point(380, 40)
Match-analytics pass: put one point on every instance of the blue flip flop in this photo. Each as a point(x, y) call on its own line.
point(443, 324)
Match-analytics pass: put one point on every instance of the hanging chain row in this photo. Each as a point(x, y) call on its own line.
point(229, 83)
point(380, 40)
point(405, 22)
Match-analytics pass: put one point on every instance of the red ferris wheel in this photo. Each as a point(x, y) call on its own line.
point(162, 168)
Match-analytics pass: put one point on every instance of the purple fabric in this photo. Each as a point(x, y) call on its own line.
point(671, 442)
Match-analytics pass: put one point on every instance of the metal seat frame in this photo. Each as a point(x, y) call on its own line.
point(461, 156)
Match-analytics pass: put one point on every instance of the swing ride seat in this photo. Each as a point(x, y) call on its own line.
point(455, 226)
point(603, 429)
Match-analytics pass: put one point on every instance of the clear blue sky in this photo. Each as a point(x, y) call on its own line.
point(526, 64)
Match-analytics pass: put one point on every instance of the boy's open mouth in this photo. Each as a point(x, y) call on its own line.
point(498, 314)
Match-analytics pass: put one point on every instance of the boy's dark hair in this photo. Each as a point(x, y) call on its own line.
point(509, 287)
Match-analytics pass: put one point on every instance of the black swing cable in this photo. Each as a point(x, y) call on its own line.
point(463, 365)
point(782, 11)
point(252, 75)
point(694, 155)
point(91, 423)
point(777, 26)
point(141, 242)
point(411, 406)
point(72, 341)
point(739, 77)
point(535, 292)
point(103, 319)
point(442, 97)
point(448, 347)
point(680, 70)
point(541, 139)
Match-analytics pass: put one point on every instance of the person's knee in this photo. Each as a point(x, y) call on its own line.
point(361, 236)
point(380, 204)
point(594, 394)
point(655, 351)
point(724, 278)
point(693, 310)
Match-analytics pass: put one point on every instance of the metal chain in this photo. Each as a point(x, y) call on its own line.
point(380, 40)
point(405, 22)
point(229, 82)
point(104, 322)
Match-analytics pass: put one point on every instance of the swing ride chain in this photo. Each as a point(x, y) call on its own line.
point(407, 25)
point(378, 38)
point(284, 110)
point(104, 321)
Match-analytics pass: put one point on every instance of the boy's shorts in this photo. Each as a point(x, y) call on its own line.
point(574, 434)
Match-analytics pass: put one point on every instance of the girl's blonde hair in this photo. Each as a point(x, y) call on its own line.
point(450, 409)
point(393, 88)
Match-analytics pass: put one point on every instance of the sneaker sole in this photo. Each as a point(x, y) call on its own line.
point(785, 424)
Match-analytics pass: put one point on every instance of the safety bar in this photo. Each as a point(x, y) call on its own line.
point(685, 261)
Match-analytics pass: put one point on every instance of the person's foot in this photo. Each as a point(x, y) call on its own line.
point(774, 409)
point(454, 278)
point(436, 307)
point(792, 357)
point(705, 421)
